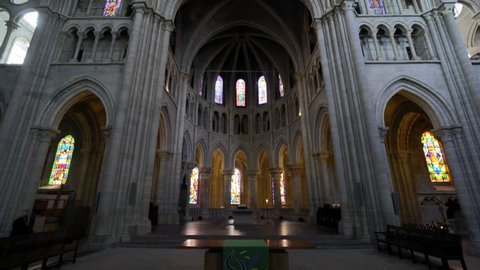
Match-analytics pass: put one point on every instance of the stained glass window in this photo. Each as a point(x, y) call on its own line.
point(112, 7)
point(262, 90)
point(200, 89)
point(219, 90)
point(63, 158)
point(283, 193)
point(376, 6)
point(437, 168)
point(240, 89)
point(236, 187)
point(193, 197)
point(280, 86)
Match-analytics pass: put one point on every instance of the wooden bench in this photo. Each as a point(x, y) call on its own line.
point(278, 257)
point(429, 242)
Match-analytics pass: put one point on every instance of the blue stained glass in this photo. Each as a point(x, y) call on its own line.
point(219, 90)
point(63, 158)
point(262, 90)
point(112, 7)
point(241, 101)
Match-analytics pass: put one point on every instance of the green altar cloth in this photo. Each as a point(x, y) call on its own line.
point(245, 255)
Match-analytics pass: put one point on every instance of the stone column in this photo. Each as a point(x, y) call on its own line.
point(296, 173)
point(187, 170)
point(394, 45)
point(277, 204)
point(412, 47)
point(328, 187)
point(451, 139)
point(227, 177)
point(98, 35)
point(112, 46)
point(205, 174)
point(252, 187)
point(43, 137)
point(81, 36)
point(471, 76)
point(11, 26)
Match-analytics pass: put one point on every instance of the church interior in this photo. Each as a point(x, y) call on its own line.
point(147, 122)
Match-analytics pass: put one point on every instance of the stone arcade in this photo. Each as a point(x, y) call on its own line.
point(174, 110)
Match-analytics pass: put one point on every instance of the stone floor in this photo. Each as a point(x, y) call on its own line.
point(158, 250)
point(172, 259)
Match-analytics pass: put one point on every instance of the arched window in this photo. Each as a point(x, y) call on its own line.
point(63, 158)
point(240, 93)
point(193, 197)
point(112, 7)
point(200, 88)
point(376, 6)
point(262, 90)
point(437, 168)
point(236, 187)
point(280, 86)
point(18, 51)
point(219, 90)
point(283, 193)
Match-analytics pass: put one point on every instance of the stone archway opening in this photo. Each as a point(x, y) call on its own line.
point(73, 164)
point(420, 173)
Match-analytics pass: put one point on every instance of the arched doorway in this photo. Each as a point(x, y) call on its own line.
point(421, 178)
point(72, 168)
point(265, 191)
point(217, 181)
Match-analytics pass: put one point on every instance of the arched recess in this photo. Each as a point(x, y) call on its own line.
point(241, 163)
point(421, 200)
point(264, 182)
point(285, 179)
point(162, 158)
point(216, 184)
point(71, 93)
point(3, 105)
point(300, 159)
point(83, 119)
point(330, 186)
point(436, 108)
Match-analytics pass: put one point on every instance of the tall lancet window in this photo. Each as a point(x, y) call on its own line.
point(63, 158)
point(262, 90)
point(112, 7)
point(240, 93)
point(376, 6)
point(193, 197)
point(219, 90)
point(283, 193)
point(280, 86)
point(437, 168)
point(236, 187)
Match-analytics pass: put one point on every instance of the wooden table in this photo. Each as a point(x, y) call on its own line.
point(277, 251)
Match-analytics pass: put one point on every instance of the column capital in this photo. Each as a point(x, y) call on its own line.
point(253, 173)
point(11, 24)
point(229, 173)
point(348, 5)
point(205, 170)
point(447, 8)
point(168, 26)
point(44, 134)
point(275, 172)
point(323, 157)
point(317, 23)
point(107, 130)
point(448, 134)
point(189, 165)
point(295, 169)
point(300, 75)
point(382, 132)
point(164, 155)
